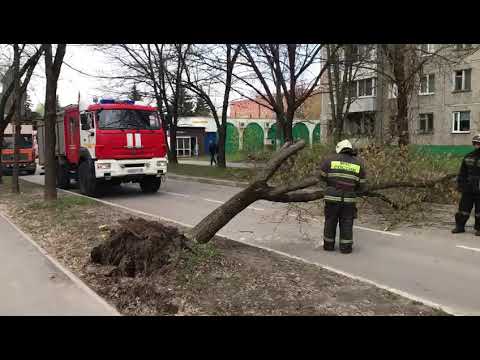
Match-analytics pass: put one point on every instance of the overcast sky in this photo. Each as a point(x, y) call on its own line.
point(83, 58)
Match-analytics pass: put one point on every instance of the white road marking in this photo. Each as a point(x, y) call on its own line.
point(355, 226)
point(174, 194)
point(468, 248)
point(388, 288)
point(377, 231)
point(212, 200)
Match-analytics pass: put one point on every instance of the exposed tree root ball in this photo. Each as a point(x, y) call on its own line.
point(140, 247)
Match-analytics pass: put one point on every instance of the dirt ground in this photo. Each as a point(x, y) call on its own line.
point(222, 277)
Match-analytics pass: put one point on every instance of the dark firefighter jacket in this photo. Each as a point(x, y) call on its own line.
point(469, 176)
point(345, 177)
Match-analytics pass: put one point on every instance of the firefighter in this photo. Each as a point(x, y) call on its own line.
point(345, 177)
point(469, 185)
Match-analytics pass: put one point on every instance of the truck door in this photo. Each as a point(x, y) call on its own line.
point(72, 136)
point(87, 133)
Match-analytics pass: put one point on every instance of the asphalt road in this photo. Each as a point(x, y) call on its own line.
point(431, 265)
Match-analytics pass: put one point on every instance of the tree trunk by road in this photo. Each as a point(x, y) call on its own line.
point(16, 119)
point(52, 71)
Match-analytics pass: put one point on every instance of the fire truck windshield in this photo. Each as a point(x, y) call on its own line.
point(127, 119)
point(24, 142)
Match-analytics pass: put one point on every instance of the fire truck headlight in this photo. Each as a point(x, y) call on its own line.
point(161, 163)
point(104, 166)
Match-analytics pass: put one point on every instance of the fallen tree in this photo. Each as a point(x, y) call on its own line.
point(260, 189)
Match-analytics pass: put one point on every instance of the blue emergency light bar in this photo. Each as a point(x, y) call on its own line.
point(112, 101)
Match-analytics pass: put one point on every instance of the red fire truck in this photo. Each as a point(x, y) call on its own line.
point(109, 143)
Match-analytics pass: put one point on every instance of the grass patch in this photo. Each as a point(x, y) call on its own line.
point(211, 172)
point(63, 203)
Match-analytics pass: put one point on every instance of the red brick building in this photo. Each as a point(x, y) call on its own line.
point(249, 109)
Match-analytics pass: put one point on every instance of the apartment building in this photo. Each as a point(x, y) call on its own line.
point(444, 110)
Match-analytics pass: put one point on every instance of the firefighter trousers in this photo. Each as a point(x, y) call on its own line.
point(342, 214)
point(467, 201)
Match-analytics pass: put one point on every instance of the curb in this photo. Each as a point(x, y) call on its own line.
point(76, 281)
point(232, 183)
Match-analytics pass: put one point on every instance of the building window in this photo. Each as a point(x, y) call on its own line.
point(461, 122)
point(462, 80)
point(184, 146)
point(427, 84)
point(425, 123)
point(362, 88)
point(426, 49)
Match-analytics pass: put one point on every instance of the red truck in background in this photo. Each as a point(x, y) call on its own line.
point(27, 153)
point(106, 144)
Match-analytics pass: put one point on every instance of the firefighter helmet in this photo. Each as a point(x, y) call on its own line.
point(476, 139)
point(344, 144)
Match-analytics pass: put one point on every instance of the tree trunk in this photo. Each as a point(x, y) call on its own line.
point(288, 127)
point(172, 151)
point(399, 68)
point(15, 170)
point(53, 65)
point(221, 216)
point(222, 135)
point(50, 141)
point(402, 118)
point(16, 118)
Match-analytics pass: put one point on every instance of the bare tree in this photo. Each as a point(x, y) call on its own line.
point(343, 69)
point(14, 92)
point(158, 67)
point(284, 77)
point(210, 67)
point(53, 66)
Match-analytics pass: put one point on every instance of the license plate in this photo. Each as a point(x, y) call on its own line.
point(134, 171)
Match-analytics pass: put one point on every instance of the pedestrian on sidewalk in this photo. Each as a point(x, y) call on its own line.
point(468, 182)
point(213, 150)
point(345, 177)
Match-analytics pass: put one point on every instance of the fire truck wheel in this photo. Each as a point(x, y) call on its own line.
point(150, 184)
point(88, 182)
point(63, 180)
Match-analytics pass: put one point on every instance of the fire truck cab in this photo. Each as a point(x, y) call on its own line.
point(109, 143)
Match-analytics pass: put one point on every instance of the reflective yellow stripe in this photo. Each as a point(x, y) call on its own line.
point(341, 165)
point(363, 180)
point(342, 241)
point(345, 176)
point(328, 240)
point(339, 199)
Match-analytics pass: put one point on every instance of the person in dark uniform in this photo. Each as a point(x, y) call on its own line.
point(345, 177)
point(468, 182)
point(212, 149)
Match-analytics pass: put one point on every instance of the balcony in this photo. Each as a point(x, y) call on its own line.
point(363, 104)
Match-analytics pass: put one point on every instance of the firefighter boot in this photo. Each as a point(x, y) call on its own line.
point(460, 221)
point(328, 245)
point(345, 248)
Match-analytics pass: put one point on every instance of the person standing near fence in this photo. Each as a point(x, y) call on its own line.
point(212, 149)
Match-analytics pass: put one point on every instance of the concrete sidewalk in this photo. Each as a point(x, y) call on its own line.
point(32, 283)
